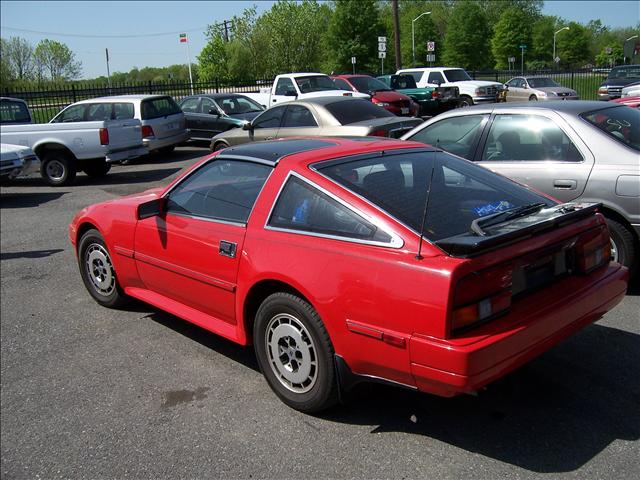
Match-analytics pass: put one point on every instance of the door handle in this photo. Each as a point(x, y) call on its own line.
point(565, 184)
point(228, 249)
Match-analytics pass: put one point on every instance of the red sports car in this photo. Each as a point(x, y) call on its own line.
point(343, 260)
point(395, 102)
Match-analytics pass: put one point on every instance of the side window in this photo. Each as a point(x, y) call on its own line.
point(513, 83)
point(341, 84)
point(435, 77)
point(73, 114)
point(99, 112)
point(298, 116)
point(457, 135)
point(522, 83)
point(304, 208)
point(222, 190)
point(206, 105)
point(528, 138)
point(123, 111)
point(270, 119)
point(190, 105)
point(284, 85)
point(417, 75)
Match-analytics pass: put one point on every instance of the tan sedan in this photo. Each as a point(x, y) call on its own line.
point(324, 116)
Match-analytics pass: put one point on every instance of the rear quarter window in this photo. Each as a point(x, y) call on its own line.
point(620, 123)
point(159, 107)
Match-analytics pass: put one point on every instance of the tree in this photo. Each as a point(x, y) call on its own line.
point(214, 57)
point(614, 57)
point(353, 32)
point(574, 48)
point(56, 60)
point(541, 50)
point(6, 72)
point(466, 43)
point(512, 30)
point(19, 54)
point(493, 9)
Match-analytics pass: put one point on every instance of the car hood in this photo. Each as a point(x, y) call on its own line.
point(619, 82)
point(555, 90)
point(420, 93)
point(477, 83)
point(334, 93)
point(8, 151)
point(389, 96)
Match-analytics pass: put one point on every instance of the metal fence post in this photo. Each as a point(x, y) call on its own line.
point(150, 87)
point(73, 91)
point(216, 81)
point(572, 73)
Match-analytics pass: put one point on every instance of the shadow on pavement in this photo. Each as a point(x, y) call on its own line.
point(28, 200)
point(30, 254)
point(121, 177)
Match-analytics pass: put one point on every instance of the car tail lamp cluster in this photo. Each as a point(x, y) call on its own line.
point(379, 133)
point(435, 94)
point(481, 295)
point(104, 136)
point(147, 131)
point(592, 250)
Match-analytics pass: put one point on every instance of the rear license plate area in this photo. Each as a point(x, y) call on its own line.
point(532, 274)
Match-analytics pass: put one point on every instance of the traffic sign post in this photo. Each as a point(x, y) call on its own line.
point(522, 49)
point(353, 63)
point(382, 52)
point(512, 62)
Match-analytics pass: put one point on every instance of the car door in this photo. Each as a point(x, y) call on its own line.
point(266, 125)
point(298, 120)
point(189, 254)
point(516, 90)
point(538, 149)
point(212, 119)
point(285, 91)
point(190, 107)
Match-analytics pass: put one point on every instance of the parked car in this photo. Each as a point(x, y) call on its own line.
point(522, 89)
point(631, 90)
point(633, 102)
point(332, 116)
point(14, 111)
point(383, 96)
point(163, 123)
point(574, 151)
point(618, 77)
point(209, 114)
point(17, 161)
point(65, 148)
point(432, 100)
point(471, 91)
point(319, 253)
point(300, 86)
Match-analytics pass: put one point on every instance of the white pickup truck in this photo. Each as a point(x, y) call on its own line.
point(471, 91)
point(298, 86)
point(65, 148)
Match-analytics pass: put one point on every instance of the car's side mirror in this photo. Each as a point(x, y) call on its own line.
point(247, 126)
point(152, 208)
point(290, 93)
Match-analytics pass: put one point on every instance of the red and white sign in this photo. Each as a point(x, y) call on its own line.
point(183, 38)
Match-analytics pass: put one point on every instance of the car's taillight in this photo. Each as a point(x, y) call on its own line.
point(147, 131)
point(481, 295)
point(593, 250)
point(435, 94)
point(104, 136)
point(379, 133)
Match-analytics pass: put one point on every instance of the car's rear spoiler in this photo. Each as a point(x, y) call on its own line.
point(469, 244)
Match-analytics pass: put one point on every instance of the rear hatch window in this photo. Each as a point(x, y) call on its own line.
point(356, 110)
point(159, 107)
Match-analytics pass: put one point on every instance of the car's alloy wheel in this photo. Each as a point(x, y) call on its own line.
point(295, 353)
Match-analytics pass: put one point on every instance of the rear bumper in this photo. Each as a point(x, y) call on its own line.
point(450, 367)
point(126, 154)
point(486, 99)
point(153, 143)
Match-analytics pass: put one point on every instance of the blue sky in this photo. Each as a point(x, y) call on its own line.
point(88, 18)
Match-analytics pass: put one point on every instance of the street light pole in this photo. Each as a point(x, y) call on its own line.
point(625, 44)
point(554, 42)
point(413, 35)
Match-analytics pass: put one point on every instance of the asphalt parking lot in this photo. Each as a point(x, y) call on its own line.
point(88, 392)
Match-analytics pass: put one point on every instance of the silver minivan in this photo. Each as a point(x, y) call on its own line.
point(163, 123)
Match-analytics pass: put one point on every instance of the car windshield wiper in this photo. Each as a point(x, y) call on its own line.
point(504, 216)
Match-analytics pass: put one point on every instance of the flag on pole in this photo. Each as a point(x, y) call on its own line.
point(183, 38)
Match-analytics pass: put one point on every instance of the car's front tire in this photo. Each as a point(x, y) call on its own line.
point(533, 98)
point(97, 271)
point(623, 249)
point(465, 101)
point(58, 168)
point(295, 353)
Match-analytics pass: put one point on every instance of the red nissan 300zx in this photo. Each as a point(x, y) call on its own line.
point(342, 260)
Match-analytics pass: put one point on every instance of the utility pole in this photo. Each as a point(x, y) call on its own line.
point(226, 31)
point(396, 33)
point(106, 51)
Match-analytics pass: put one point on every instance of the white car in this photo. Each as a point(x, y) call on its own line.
point(17, 161)
point(631, 90)
point(163, 123)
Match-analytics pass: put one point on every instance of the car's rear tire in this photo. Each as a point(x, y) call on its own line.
point(623, 248)
point(295, 353)
point(533, 98)
point(465, 101)
point(218, 146)
point(97, 168)
point(97, 271)
point(58, 168)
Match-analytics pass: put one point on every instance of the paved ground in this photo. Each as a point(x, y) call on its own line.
point(89, 392)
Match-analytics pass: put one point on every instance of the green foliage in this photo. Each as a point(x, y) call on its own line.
point(512, 30)
point(55, 61)
point(353, 32)
point(214, 57)
point(494, 9)
point(542, 41)
point(616, 57)
point(425, 31)
point(573, 50)
point(466, 43)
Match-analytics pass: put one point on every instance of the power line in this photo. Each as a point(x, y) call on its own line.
point(199, 29)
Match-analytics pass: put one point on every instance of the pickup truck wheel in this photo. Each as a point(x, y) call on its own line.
point(465, 101)
point(533, 98)
point(294, 353)
point(97, 271)
point(58, 168)
point(97, 169)
point(622, 244)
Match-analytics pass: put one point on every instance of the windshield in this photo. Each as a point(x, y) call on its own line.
point(624, 72)
point(456, 75)
point(159, 107)
point(368, 84)
point(234, 105)
point(542, 82)
point(459, 192)
point(316, 83)
point(620, 123)
point(356, 110)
